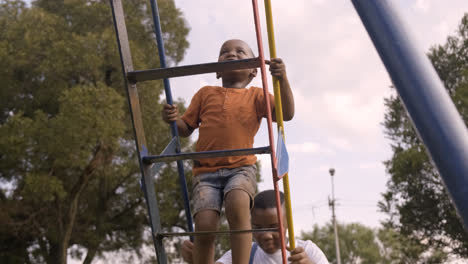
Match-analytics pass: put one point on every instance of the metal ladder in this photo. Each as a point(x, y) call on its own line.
point(150, 164)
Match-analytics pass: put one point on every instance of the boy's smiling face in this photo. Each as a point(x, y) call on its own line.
point(267, 218)
point(236, 49)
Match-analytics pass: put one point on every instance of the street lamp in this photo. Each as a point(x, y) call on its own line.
point(331, 203)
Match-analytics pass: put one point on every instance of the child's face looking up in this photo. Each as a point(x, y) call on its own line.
point(236, 49)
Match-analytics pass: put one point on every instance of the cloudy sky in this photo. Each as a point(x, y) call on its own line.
point(339, 84)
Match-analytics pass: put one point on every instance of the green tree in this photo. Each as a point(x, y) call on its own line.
point(361, 244)
point(416, 201)
point(69, 178)
point(357, 243)
point(397, 248)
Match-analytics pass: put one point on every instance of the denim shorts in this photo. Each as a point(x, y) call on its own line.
point(210, 189)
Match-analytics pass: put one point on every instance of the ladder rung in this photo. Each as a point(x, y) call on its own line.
point(156, 74)
point(206, 154)
point(201, 233)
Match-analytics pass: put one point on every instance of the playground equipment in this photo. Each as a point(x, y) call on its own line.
point(150, 164)
point(433, 113)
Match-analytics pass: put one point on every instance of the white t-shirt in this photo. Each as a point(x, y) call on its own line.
point(315, 254)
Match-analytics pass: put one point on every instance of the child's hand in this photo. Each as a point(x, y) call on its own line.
point(277, 68)
point(170, 113)
point(187, 251)
point(299, 256)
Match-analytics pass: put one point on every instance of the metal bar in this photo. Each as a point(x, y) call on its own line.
point(135, 113)
point(206, 154)
point(201, 233)
point(169, 149)
point(266, 95)
point(127, 65)
point(432, 111)
point(155, 74)
point(174, 131)
point(279, 123)
point(152, 203)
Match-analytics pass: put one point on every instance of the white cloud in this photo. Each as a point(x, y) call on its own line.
point(423, 5)
point(324, 168)
point(308, 148)
point(341, 143)
point(371, 165)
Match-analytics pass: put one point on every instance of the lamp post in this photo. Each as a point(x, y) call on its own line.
point(331, 203)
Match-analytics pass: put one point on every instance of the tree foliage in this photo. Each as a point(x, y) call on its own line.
point(357, 243)
point(69, 177)
point(416, 201)
point(397, 248)
point(361, 244)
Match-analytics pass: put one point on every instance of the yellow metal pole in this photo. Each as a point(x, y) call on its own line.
point(279, 121)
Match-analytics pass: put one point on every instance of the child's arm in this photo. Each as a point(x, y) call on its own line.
point(170, 113)
point(278, 70)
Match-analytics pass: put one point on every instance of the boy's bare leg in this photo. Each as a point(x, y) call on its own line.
point(203, 251)
point(238, 215)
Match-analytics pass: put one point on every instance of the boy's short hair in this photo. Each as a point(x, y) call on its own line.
point(247, 44)
point(267, 200)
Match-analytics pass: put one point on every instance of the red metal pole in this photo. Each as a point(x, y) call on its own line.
point(270, 129)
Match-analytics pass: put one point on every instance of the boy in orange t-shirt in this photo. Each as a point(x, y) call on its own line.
point(228, 118)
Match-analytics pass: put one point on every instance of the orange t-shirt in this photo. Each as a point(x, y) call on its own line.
point(227, 118)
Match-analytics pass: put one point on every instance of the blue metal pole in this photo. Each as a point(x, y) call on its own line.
point(432, 111)
point(174, 131)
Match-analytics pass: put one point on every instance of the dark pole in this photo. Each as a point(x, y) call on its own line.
point(331, 203)
point(174, 132)
point(433, 113)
